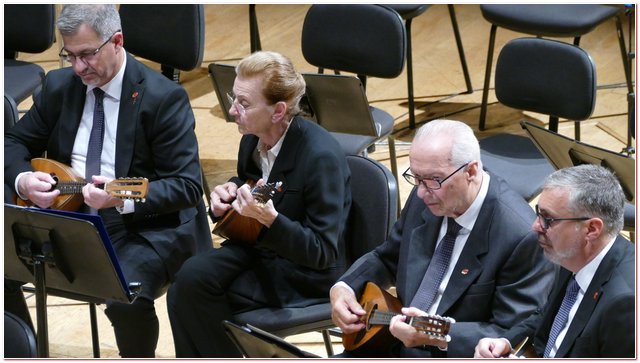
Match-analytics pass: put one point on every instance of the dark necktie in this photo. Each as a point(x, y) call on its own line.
point(563, 314)
point(94, 148)
point(437, 267)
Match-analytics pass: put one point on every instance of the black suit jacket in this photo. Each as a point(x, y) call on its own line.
point(155, 139)
point(303, 252)
point(500, 278)
point(604, 324)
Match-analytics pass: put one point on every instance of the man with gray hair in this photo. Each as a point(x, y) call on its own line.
point(108, 116)
point(487, 273)
point(591, 309)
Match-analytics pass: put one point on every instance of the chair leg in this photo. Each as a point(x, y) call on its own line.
point(327, 342)
point(553, 123)
point(412, 109)
point(487, 78)
point(254, 32)
point(623, 53)
point(463, 59)
point(95, 339)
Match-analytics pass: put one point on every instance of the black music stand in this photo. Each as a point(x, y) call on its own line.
point(563, 152)
point(62, 253)
point(256, 343)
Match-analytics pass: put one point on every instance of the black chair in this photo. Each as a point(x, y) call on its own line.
point(172, 35)
point(549, 20)
point(408, 12)
point(19, 340)
point(29, 29)
point(373, 212)
point(367, 40)
point(543, 76)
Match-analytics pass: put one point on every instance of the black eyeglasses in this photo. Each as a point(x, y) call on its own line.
point(429, 183)
point(545, 222)
point(85, 57)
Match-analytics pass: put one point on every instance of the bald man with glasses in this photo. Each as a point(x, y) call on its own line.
point(462, 248)
point(591, 309)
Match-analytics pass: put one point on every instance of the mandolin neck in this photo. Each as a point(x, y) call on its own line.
point(72, 187)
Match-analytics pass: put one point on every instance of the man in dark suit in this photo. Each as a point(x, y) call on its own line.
point(496, 274)
point(300, 250)
point(147, 131)
point(591, 309)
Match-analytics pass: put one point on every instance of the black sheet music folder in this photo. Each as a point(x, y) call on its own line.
point(82, 262)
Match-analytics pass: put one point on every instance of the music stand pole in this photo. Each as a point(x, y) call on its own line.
point(41, 306)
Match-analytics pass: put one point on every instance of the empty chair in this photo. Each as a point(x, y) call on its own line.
point(172, 35)
point(408, 12)
point(373, 212)
point(549, 20)
point(367, 40)
point(29, 29)
point(544, 76)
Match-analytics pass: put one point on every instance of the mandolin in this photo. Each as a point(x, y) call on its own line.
point(234, 226)
point(70, 185)
point(380, 307)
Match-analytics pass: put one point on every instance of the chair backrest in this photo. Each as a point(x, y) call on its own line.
point(172, 35)
point(364, 39)
point(10, 113)
point(546, 76)
point(19, 339)
point(373, 207)
point(28, 28)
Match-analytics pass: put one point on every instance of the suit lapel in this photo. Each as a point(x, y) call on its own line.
point(129, 115)
point(423, 244)
point(590, 299)
point(469, 266)
point(286, 159)
point(69, 127)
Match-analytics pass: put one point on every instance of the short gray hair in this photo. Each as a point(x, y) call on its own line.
point(465, 146)
point(104, 19)
point(594, 191)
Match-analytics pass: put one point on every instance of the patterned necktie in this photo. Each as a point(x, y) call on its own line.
point(437, 267)
point(94, 148)
point(563, 314)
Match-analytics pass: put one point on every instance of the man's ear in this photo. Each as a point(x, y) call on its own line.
point(279, 112)
point(595, 228)
point(473, 169)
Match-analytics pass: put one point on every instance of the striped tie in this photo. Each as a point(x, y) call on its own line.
point(563, 314)
point(94, 149)
point(437, 267)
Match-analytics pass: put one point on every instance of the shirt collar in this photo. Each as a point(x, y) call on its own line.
point(275, 150)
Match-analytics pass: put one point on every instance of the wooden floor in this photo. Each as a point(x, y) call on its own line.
point(438, 84)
